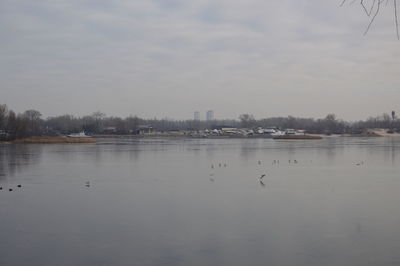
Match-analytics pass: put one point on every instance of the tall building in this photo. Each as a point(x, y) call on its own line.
point(210, 115)
point(196, 115)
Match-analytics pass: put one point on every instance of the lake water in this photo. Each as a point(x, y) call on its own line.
point(160, 202)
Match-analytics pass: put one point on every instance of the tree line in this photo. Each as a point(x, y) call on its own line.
point(31, 123)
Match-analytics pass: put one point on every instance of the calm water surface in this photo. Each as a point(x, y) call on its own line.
point(160, 202)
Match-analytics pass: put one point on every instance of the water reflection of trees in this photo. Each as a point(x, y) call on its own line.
point(391, 148)
point(16, 157)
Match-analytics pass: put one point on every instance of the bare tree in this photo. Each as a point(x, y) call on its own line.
point(33, 117)
point(3, 116)
point(98, 119)
point(247, 120)
point(373, 9)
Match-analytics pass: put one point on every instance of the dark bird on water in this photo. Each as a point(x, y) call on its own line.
point(19, 186)
point(1, 188)
point(10, 189)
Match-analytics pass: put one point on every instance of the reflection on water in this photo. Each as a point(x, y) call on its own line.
point(17, 157)
point(201, 202)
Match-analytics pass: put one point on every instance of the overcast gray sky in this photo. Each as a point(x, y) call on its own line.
point(168, 58)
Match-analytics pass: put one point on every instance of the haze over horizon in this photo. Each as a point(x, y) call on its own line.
point(169, 58)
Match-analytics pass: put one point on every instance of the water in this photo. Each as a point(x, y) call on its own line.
point(160, 202)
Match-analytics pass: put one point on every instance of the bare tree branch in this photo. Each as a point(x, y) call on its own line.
point(396, 19)
point(373, 18)
point(370, 10)
point(365, 8)
point(374, 10)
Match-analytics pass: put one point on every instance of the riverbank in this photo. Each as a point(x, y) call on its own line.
point(180, 134)
point(298, 137)
point(384, 133)
point(43, 140)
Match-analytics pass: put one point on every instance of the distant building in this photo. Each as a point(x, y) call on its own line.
point(196, 115)
point(109, 130)
point(210, 115)
point(142, 129)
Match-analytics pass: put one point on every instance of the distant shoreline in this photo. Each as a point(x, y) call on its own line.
point(297, 137)
point(46, 140)
point(63, 139)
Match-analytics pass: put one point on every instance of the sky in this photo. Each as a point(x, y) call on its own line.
point(169, 58)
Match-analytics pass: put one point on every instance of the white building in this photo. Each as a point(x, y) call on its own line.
point(210, 115)
point(196, 115)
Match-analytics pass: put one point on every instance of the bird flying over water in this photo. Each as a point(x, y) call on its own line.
point(262, 176)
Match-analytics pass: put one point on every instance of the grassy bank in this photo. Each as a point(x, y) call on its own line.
point(54, 140)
